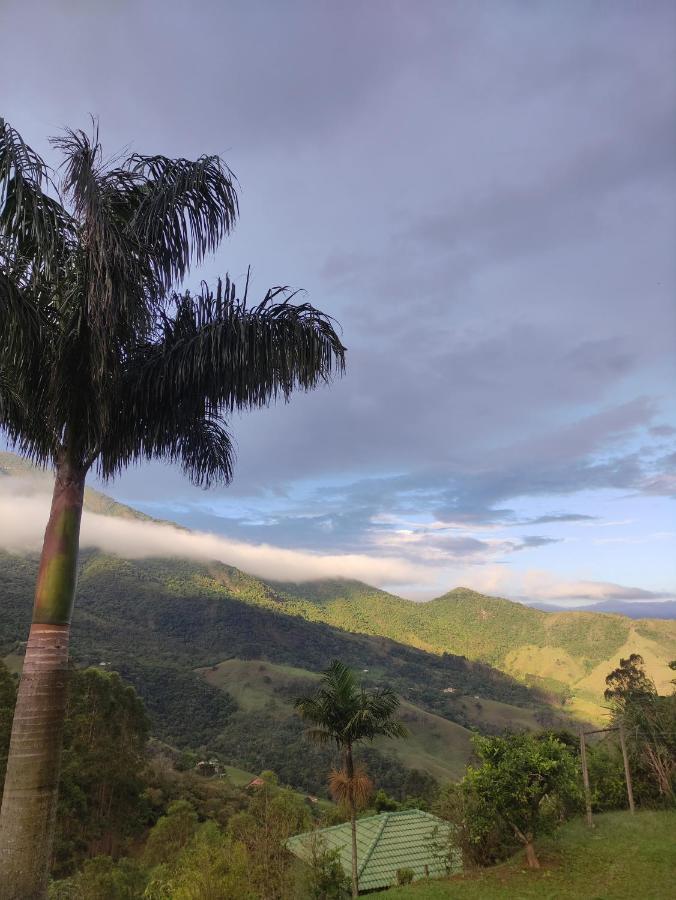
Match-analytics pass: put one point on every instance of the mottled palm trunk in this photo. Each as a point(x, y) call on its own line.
point(349, 767)
point(31, 784)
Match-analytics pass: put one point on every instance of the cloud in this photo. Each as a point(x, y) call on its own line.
point(537, 585)
point(23, 518)
point(560, 517)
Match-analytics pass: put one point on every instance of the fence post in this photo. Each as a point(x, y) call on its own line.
point(627, 772)
point(585, 778)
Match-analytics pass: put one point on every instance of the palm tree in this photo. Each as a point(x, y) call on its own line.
point(104, 363)
point(347, 713)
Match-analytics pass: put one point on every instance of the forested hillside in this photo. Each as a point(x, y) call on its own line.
point(159, 621)
point(566, 653)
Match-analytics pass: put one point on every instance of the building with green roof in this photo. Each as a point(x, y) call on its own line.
point(387, 843)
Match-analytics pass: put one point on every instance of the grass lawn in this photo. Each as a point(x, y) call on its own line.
point(624, 857)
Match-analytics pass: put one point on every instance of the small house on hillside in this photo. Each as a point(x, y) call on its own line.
point(387, 844)
point(255, 783)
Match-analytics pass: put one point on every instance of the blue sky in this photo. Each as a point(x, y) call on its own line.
point(483, 195)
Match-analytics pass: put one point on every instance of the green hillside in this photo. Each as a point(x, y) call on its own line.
point(160, 622)
point(435, 745)
point(12, 465)
point(566, 653)
point(624, 857)
point(565, 656)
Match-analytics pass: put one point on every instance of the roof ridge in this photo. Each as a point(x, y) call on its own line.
point(376, 838)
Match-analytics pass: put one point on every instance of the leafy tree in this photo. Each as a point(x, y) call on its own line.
point(170, 834)
point(100, 803)
point(523, 781)
point(629, 682)
point(211, 867)
point(342, 712)
point(322, 877)
point(649, 722)
point(273, 816)
point(103, 363)
point(102, 878)
point(383, 803)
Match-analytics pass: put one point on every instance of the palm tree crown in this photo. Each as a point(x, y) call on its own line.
point(104, 361)
point(346, 713)
point(100, 355)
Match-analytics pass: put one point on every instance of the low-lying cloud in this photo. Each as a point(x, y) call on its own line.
point(23, 518)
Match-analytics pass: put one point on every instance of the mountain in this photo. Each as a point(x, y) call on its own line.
point(633, 609)
point(200, 641)
point(568, 652)
point(461, 661)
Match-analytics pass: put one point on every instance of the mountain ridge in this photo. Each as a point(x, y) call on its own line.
point(564, 652)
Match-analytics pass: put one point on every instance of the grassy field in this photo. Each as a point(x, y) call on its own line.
point(435, 744)
point(624, 857)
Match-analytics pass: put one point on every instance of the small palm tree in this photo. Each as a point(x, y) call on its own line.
point(347, 713)
point(102, 364)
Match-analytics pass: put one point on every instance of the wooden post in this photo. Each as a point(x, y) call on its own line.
point(627, 772)
point(585, 778)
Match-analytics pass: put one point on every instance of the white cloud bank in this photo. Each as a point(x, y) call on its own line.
point(24, 509)
point(23, 517)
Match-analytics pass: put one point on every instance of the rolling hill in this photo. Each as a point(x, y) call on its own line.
point(568, 653)
point(192, 637)
point(171, 626)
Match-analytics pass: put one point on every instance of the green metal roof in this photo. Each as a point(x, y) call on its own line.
point(408, 839)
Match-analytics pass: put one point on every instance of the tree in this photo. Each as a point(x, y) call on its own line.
point(342, 712)
point(273, 816)
point(649, 723)
point(523, 781)
point(105, 733)
point(629, 683)
point(103, 363)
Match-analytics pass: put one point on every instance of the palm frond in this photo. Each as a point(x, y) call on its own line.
point(119, 295)
point(237, 357)
point(33, 225)
point(351, 790)
point(183, 210)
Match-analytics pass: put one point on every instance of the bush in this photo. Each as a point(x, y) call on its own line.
point(405, 876)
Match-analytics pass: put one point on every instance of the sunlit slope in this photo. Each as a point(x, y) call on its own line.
point(434, 745)
point(569, 653)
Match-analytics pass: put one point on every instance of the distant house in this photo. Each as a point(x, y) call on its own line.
point(387, 843)
point(255, 783)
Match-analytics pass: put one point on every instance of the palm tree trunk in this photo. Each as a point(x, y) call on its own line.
point(29, 799)
point(349, 766)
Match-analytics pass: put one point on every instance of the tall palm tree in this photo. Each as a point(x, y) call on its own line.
point(104, 363)
point(346, 713)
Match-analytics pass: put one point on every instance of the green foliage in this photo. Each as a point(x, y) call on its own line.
point(382, 803)
point(170, 834)
point(405, 876)
point(101, 805)
point(525, 782)
point(210, 867)
point(649, 723)
point(629, 683)
point(343, 713)
point(322, 877)
point(274, 815)
point(154, 621)
point(624, 857)
point(102, 878)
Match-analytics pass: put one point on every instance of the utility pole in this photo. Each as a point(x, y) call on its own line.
point(627, 773)
point(585, 778)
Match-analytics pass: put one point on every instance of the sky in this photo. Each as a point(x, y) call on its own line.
point(483, 195)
